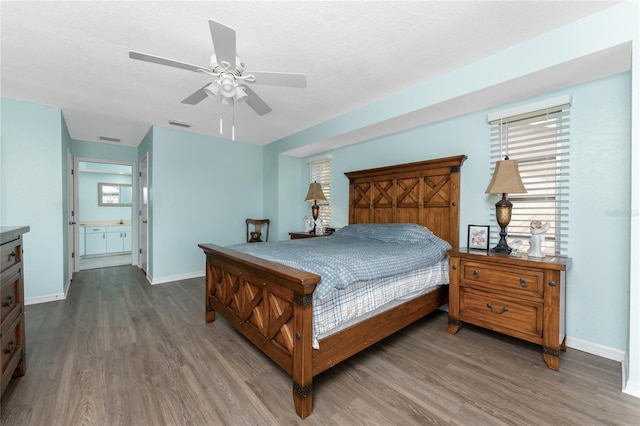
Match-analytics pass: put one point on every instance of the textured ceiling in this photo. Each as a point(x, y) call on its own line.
point(75, 55)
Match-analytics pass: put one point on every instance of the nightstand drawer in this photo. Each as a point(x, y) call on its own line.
point(524, 282)
point(516, 317)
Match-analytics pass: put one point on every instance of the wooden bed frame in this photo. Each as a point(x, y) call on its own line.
point(270, 304)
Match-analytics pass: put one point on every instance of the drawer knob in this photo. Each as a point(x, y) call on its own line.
point(10, 347)
point(523, 283)
point(552, 283)
point(7, 302)
point(454, 267)
point(504, 309)
point(476, 274)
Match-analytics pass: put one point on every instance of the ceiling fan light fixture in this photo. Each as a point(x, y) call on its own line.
point(213, 90)
point(241, 95)
point(227, 86)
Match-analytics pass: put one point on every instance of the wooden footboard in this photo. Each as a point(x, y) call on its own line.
point(270, 304)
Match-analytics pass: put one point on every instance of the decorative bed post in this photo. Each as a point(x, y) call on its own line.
point(302, 354)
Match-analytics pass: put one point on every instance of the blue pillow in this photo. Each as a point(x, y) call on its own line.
point(402, 233)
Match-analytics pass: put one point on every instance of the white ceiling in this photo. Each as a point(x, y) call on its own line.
point(75, 55)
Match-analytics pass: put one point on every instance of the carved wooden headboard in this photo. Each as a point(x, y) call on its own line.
point(424, 192)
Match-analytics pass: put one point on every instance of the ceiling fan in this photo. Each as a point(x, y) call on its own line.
point(230, 84)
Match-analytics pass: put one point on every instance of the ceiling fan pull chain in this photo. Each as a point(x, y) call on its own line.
point(233, 122)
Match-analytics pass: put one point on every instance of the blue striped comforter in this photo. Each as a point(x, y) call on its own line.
point(355, 253)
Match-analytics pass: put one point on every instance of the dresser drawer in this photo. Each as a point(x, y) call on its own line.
point(10, 345)
point(9, 293)
point(517, 281)
point(95, 229)
point(10, 254)
point(516, 317)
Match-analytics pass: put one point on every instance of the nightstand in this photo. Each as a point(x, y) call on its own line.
point(299, 235)
point(519, 296)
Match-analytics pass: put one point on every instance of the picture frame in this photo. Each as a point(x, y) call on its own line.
point(478, 237)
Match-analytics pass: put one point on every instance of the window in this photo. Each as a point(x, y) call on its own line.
point(539, 140)
point(320, 171)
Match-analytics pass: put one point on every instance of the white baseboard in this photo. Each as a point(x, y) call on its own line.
point(632, 388)
point(171, 278)
point(66, 287)
point(43, 299)
point(595, 349)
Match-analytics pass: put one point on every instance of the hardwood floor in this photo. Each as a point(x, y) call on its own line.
point(93, 262)
point(119, 351)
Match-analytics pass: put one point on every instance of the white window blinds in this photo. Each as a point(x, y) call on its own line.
point(539, 140)
point(320, 171)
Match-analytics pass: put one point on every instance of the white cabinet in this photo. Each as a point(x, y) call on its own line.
point(105, 239)
point(95, 240)
point(118, 238)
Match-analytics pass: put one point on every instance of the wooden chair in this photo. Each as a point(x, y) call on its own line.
point(255, 235)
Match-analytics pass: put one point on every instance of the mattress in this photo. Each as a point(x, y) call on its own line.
point(364, 299)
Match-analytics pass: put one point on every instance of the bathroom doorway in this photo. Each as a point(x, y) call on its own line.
point(105, 202)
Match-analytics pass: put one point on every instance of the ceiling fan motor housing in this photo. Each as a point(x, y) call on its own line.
point(216, 67)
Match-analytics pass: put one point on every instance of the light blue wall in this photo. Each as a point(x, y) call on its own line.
point(103, 151)
point(203, 189)
point(89, 208)
point(599, 205)
point(466, 135)
point(32, 191)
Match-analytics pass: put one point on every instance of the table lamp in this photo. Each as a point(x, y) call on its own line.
point(506, 179)
point(315, 194)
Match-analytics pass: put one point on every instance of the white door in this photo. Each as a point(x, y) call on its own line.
point(73, 254)
point(144, 214)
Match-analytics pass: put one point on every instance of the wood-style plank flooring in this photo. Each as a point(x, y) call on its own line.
point(119, 351)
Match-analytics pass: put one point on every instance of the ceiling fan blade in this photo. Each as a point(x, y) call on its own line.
point(196, 97)
point(280, 78)
point(255, 102)
point(224, 43)
point(164, 61)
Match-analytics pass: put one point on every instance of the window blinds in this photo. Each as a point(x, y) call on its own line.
point(320, 171)
point(539, 140)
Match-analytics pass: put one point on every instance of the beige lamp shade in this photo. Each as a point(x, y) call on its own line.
point(506, 179)
point(315, 193)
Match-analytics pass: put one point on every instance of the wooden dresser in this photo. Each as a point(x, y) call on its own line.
point(519, 296)
point(12, 342)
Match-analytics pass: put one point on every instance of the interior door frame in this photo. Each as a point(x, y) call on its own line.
point(143, 216)
point(72, 232)
point(134, 203)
